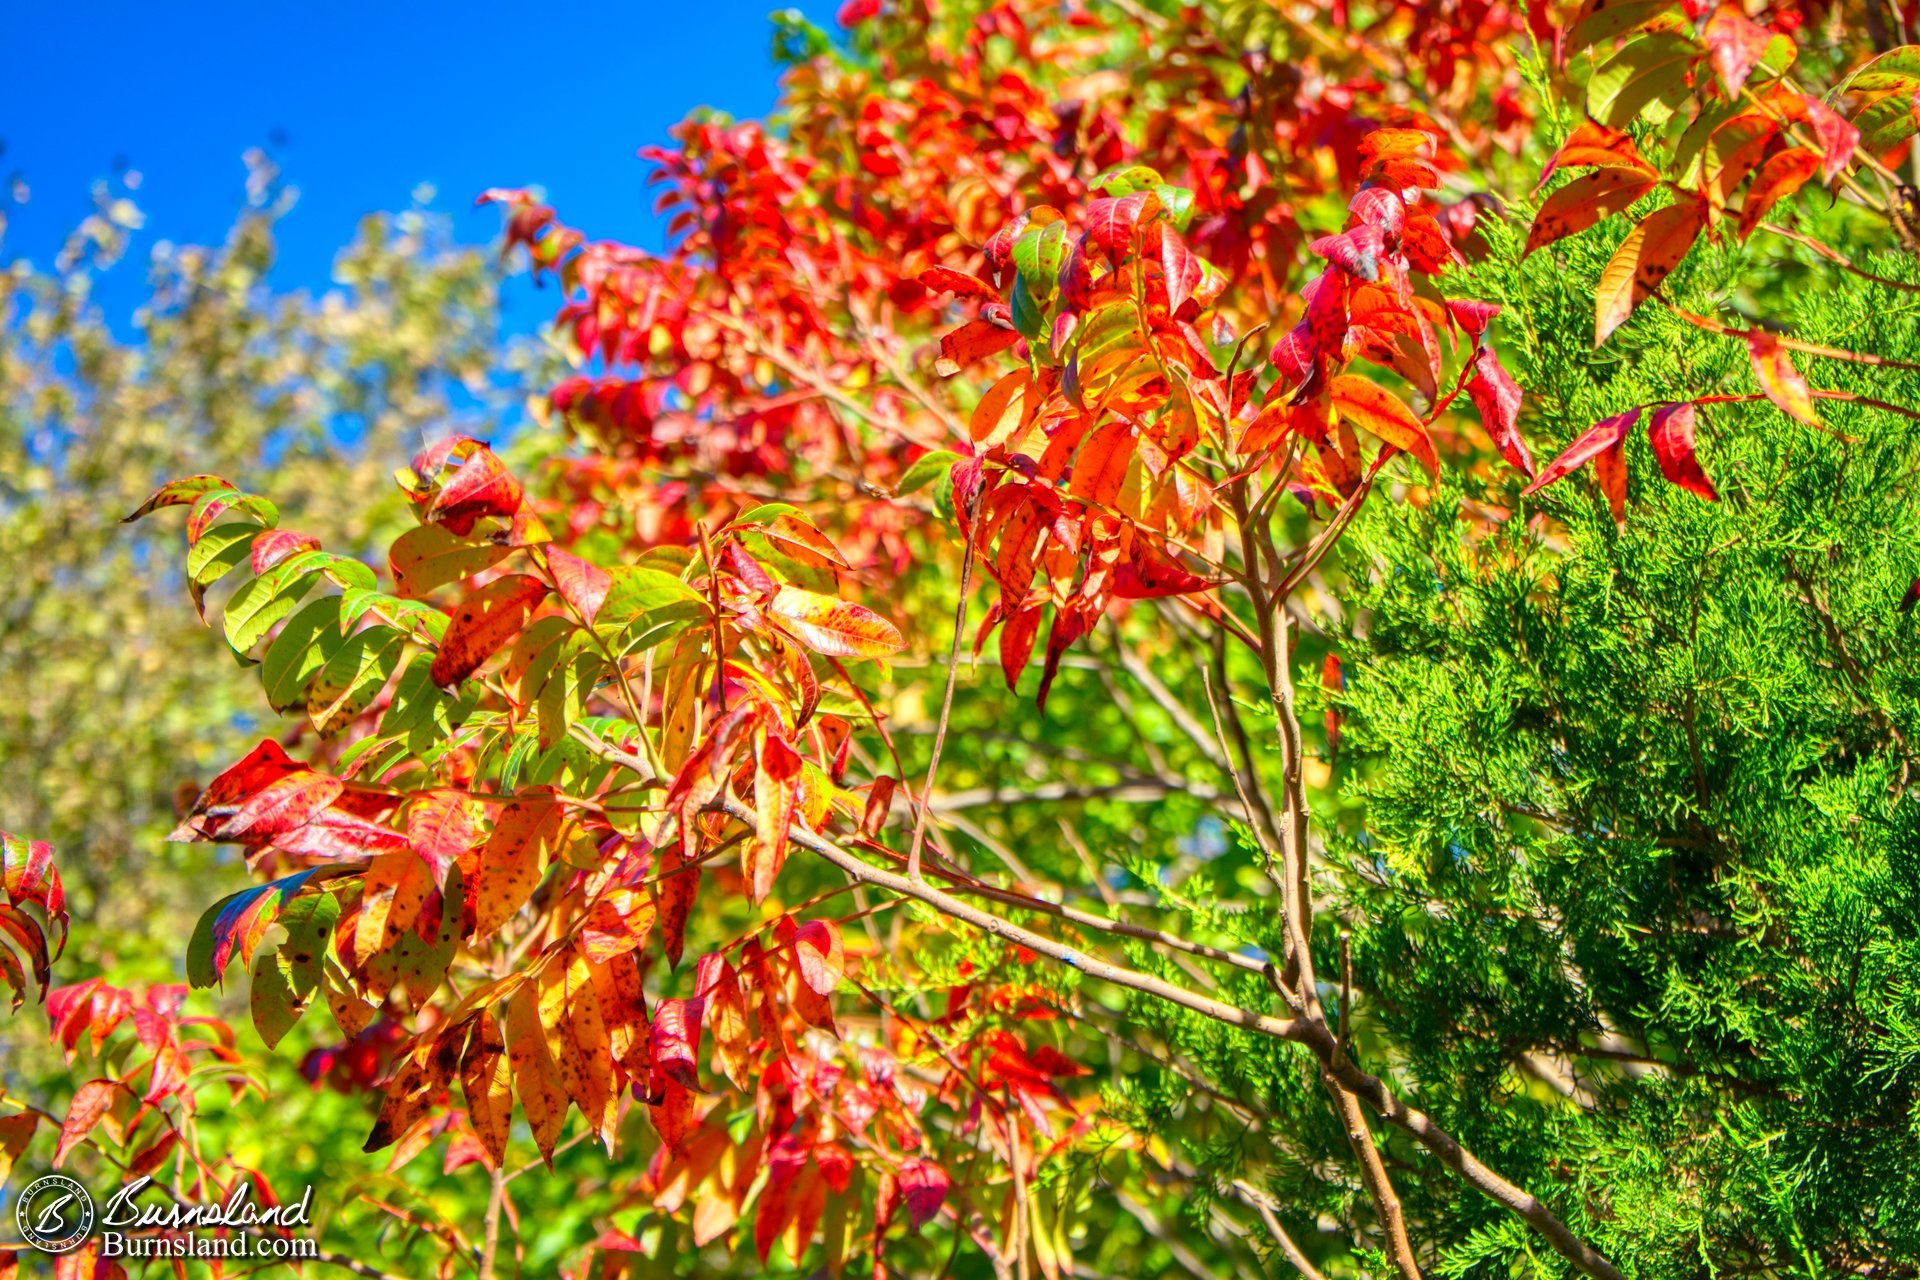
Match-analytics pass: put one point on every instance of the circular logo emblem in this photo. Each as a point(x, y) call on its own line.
point(55, 1214)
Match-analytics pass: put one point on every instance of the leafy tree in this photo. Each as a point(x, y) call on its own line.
point(1405, 858)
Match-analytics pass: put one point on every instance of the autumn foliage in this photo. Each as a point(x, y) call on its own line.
point(1115, 317)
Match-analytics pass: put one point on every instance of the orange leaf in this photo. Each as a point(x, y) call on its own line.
point(1595, 144)
point(1779, 177)
point(1380, 413)
point(488, 1085)
point(1645, 258)
point(536, 1076)
point(1100, 468)
point(487, 619)
point(1583, 202)
point(511, 863)
point(1779, 379)
point(834, 627)
point(1731, 153)
point(773, 798)
point(616, 924)
point(961, 284)
point(397, 889)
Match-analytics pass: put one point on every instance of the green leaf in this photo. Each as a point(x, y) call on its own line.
point(285, 978)
point(636, 590)
point(925, 470)
point(1177, 204)
point(1029, 313)
point(657, 626)
point(304, 646)
point(349, 574)
point(347, 684)
point(563, 697)
point(524, 745)
point(1037, 255)
point(1125, 179)
point(220, 549)
point(1638, 78)
point(1886, 124)
point(418, 703)
point(765, 513)
point(265, 600)
point(237, 922)
point(1895, 71)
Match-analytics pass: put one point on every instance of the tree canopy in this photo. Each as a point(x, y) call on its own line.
point(1208, 640)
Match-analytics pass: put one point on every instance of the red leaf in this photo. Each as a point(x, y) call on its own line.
point(1150, 573)
point(1381, 209)
point(1836, 134)
point(1671, 434)
point(1589, 444)
point(1181, 267)
point(480, 486)
point(1069, 624)
point(1016, 643)
point(975, 340)
point(27, 873)
point(271, 546)
point(818, 951)
point(778, 1200)
point(486, 620)
point(90, 1103)
point(580, 584)
point(442, 825)
point(1736, 44)
point(1112, 220)
point(676, 1040)
point(1497, 396)
point(1357, 252)
point(1327, 314)
point(924, 1185)
point(1474, 317)
point(264, 795)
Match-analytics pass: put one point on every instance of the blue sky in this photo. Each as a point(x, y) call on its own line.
point(360, 102)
